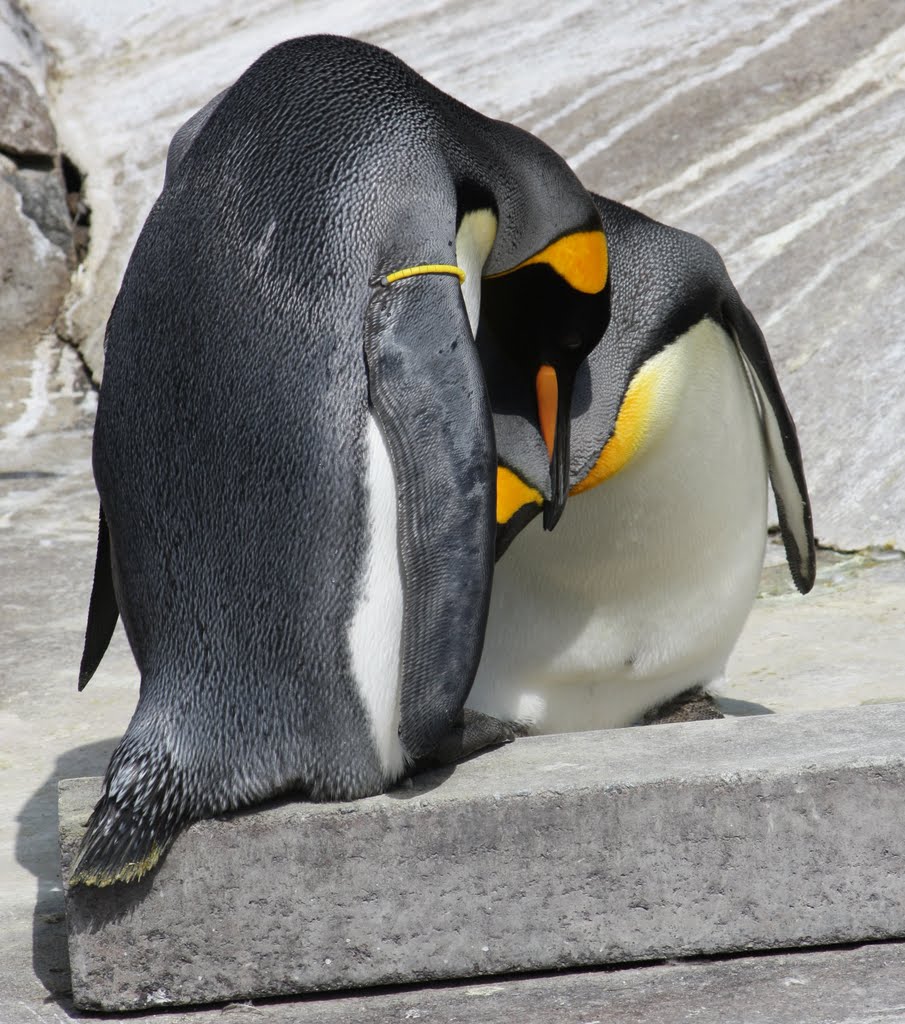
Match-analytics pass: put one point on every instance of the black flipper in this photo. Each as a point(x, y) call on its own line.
point(103, 611)
point(428, 394)
point(783, 451)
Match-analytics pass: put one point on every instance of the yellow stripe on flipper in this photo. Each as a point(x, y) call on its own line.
point(581, 259)
point(512, 493)
point(425, 268)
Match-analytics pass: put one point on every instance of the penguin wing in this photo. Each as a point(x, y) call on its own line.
point(427, 391)
point(103, 611)
point(783, 451)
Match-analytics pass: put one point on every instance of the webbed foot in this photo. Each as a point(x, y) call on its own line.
point(474, 732)
point(692, 705)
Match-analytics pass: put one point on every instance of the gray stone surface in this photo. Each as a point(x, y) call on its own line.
point(43, 193)
point(861, 985)
point(22, 46)
point(25, 125)
point(554, 852)
point(841, 646)
point(35, 226)
point(857, 986)
point(34, 272)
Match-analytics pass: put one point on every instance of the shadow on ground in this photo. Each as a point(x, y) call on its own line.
point(37, 850)
point(740, 708)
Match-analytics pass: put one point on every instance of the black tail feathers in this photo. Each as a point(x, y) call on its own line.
point(103, 610)
point(136, 820)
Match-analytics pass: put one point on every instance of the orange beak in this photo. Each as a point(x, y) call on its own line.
point(554, 405)
point(547, 388)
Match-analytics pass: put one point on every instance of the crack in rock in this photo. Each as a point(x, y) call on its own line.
point(44, 219)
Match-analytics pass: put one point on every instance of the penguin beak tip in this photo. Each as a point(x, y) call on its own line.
point(552, 512)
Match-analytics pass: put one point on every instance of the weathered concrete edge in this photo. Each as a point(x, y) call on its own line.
point(835, 758)
point(845, 985)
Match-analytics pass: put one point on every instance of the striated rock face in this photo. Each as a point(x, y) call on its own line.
point(773, 130)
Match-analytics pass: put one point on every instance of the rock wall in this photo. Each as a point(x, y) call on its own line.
point(772, 130)
point(36, 227)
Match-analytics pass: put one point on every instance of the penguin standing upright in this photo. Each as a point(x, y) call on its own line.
point(294, 448)
point(677, 420)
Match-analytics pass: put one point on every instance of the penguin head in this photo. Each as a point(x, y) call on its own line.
point(540, 319)
point(626, 391)
point(621, 394)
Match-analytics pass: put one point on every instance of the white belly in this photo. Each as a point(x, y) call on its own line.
point(643, 588)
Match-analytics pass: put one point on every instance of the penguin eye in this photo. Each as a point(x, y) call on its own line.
point(571, 341)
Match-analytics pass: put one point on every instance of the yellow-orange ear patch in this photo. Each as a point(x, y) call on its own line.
point(581, 259)
point(512, 493)
point(652, 399)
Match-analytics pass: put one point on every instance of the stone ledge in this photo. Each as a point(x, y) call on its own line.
point(556, 851)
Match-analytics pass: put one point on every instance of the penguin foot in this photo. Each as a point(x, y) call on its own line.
point(117, 848)
point(135, 821)
point(474, 732)
point(693, 705)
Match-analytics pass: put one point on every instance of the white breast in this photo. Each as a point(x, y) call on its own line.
point(376, 631)
point(643, 588)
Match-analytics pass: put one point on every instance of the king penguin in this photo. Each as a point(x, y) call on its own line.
point(677, 421)
point(294, 448)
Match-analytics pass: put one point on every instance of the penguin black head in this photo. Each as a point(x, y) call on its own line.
point(543, 317)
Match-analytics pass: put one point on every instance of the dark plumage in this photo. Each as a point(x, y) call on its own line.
point(247, 352)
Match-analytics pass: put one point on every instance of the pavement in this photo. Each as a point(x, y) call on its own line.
point(774, 133)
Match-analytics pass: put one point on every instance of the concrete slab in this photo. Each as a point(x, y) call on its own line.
point(557, 851)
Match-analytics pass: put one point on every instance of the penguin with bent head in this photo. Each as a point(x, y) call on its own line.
point(294, 448)
point(677, 421)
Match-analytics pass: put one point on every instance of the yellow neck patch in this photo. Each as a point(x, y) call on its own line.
point(512, 493)
point(580, 259)
point(629, 433)
point(647, 409)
